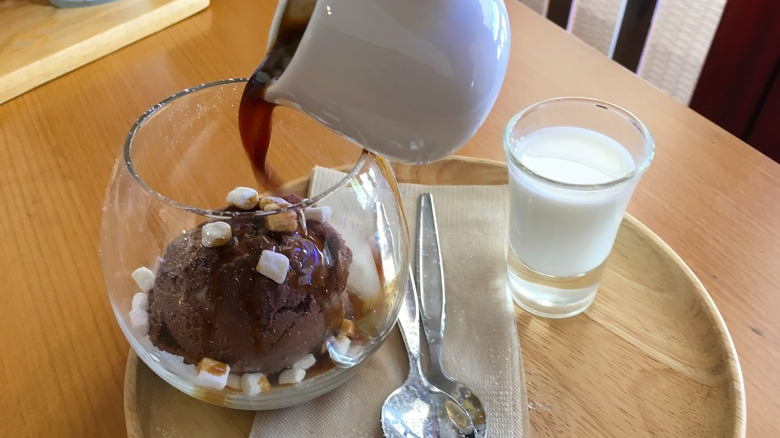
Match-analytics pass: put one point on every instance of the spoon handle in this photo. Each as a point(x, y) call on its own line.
point(409, 324)
point(430, 277)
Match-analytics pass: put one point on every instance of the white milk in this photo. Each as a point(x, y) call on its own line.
point(566, 231)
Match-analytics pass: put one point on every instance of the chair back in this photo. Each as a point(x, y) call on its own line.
point(664, 41)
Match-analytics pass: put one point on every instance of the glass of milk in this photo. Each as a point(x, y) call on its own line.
point(573, 165)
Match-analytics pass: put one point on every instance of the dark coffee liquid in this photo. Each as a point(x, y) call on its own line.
point(254, 122)
point(254, 113)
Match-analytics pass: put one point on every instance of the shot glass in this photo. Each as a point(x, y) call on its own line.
point(573, 165)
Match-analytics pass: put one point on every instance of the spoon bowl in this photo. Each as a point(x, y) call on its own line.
point(417, 408)
point(463, 395)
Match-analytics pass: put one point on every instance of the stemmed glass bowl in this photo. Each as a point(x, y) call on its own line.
point(197, 306)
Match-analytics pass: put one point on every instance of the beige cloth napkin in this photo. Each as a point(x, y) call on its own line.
point(481, 346)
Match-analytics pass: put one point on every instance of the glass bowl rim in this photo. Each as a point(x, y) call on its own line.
point(127, 155)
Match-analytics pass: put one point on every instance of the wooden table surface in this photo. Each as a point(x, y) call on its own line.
point(711, 197)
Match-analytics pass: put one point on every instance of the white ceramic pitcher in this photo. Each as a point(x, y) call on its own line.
point(411, 80)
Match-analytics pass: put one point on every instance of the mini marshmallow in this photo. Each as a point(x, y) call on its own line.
point(273, 265)
point(175, 364)
point(234, 381)
point(305, 362)
point(267, 200)
point(139, 321)
point(338, 345)
point(347, 328)
point(363, 279)
point(291, 376)
point(319, 214)
point(212, 373)
point(141, 301)
point(144, 278)
point(254, 383)
point(244, 198)
point(283, 221)
point(216, 234)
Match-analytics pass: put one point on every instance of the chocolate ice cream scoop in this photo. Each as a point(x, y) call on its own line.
point(212, 302)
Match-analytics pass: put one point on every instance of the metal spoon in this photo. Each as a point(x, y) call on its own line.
point(417, 409)
point(430, 281)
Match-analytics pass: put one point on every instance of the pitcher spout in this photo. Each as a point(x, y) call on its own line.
point(409, 80)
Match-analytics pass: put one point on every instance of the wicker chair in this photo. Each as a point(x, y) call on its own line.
point(674, 39)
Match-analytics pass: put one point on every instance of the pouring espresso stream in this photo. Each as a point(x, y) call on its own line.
point(254, 112)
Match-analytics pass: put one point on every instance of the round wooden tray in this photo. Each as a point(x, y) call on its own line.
point(651, 357)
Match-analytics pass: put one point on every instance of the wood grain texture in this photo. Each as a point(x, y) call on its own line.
point(651, 356)
point(709, 196)
point(39, 41)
